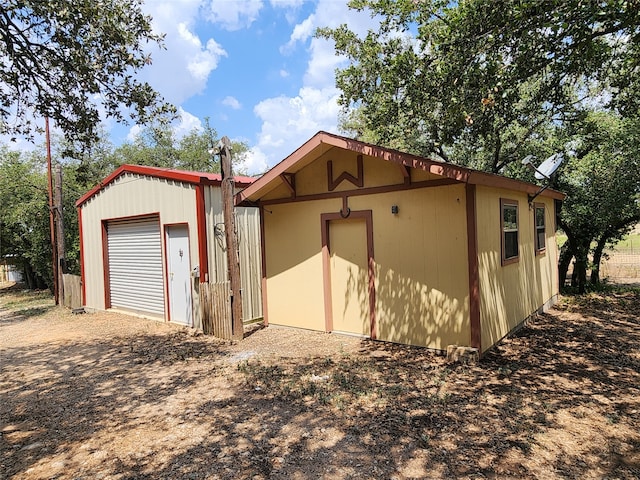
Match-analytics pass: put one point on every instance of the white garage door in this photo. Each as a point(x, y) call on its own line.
point(135, 265)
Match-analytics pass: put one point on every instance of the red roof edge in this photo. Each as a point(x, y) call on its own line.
point(195, 178)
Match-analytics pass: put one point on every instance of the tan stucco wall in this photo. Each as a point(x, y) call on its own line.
point(133, 195)
point(294, 263)
point(510, 293)
point(420, 254)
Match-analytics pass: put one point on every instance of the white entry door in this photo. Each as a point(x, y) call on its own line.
point(179, 275)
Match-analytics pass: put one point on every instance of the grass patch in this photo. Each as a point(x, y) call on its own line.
point(629, 242)
point(22, 299)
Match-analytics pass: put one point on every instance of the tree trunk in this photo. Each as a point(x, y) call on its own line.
point(579, 280)
point(59, 223)
point(231, 240)
point(28, 276)
point(566, 255)
point(597, 258)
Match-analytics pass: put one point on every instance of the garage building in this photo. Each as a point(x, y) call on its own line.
point(150, 236)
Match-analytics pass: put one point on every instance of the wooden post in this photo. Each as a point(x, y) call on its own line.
point(231, 239)
point(59, 232)
point(54, 249)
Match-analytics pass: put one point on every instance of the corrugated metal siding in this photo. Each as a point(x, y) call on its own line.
point(248, 228)
point(215, 235)
point(133, 195)
point(135, 265)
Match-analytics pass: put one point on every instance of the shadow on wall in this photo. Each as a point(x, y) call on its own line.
point(510, 293)
point(410, 312)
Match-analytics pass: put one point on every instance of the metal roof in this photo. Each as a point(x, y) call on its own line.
point(196, 178)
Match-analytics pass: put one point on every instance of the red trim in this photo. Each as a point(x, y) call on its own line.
point(323, 141)
point(325, 219)
point(82, 273)
point(406, 173)
point(263, 266)
point(474, 278)
point(357, 181)
point(133, 217)
point(166, 274)
point(539, 251)
point(105, 266)
point(289, 179)
point(201, 216)
point(196, 178)
point(326, 271)
point(365, 191)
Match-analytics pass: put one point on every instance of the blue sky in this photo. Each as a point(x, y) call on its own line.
point(252, 66)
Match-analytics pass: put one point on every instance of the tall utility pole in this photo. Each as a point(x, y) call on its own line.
point(54, 249)
point(59, 232)
point(237, 327)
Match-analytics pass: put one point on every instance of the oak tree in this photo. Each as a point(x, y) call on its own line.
point(70, 60)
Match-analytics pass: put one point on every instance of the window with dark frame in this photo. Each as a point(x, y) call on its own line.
point(509, 225)
point(540, 228)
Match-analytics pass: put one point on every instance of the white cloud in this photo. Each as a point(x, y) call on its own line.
point(321, 69)
point(184, 124)
point(301, 33)
point(233, 15)
point(182, 69)
point(232, 102)
point(284, 73)
point(203, 60)
point(134, 132)
point(252, 162)
point(289, 121)
point(286, 3)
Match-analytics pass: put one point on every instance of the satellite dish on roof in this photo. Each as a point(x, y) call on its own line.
point(549, 166)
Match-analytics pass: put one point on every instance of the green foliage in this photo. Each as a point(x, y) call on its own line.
point(436, 74)
point(24, 208)
point(602, 183)
point(157, 146)
point(24, 215)
point(484, 85)
point(57, 57)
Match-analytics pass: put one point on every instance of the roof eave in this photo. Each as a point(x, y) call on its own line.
point(267, 182)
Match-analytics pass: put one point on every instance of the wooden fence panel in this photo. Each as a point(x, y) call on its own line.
point(72, 291)
point(215, 309)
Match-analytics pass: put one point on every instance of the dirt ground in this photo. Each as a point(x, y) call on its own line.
point(116, 397)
